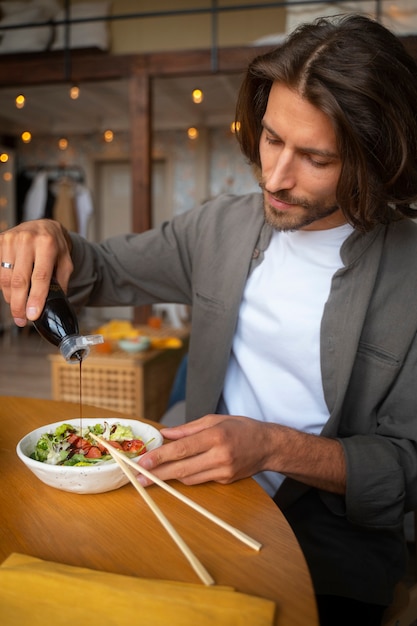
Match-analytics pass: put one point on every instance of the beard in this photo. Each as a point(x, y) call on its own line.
point(304, 213)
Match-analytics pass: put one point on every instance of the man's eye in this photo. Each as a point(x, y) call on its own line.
point(316, 163)
point(272, 140)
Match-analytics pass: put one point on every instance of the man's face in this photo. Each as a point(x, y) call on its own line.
point(300, 164)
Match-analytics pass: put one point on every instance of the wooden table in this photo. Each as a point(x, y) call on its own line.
point(137, 384)
point(116, 532)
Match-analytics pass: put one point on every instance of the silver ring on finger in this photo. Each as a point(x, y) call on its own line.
point(7, 266)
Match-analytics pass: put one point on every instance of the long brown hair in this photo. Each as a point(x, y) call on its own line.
point(360, 75)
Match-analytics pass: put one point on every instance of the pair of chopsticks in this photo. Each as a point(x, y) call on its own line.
point(126, 463)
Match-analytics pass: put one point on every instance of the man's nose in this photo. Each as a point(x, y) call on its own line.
point(282, 174)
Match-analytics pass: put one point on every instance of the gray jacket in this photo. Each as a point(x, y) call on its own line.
point(368, 336)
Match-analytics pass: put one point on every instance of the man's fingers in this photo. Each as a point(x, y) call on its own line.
point(191, 428)
point(37, 250)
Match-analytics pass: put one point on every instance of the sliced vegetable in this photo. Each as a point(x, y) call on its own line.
point(68, 446)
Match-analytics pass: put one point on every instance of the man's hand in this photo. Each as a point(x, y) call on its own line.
point(36, 250)
point(222, 448)
point(225, 448)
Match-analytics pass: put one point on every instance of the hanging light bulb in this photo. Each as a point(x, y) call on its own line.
point(74, 92)
point(108, 136)
point(63, 143)
point(192, 133)
point(26, 136)
point(20, 101)
point(197, 96)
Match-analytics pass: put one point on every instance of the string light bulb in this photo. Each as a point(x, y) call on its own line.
point(20, 101)
point(235, 127)
point(74, 92)
point(26, 136)
point(108, 136)
point(63, 143)
point(4, 157)
point(192, 133)
point(197, 96)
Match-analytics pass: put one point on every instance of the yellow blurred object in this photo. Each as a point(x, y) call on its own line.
point(115, 330)
point(31, 594)
point(164, 343)
point(118, 329)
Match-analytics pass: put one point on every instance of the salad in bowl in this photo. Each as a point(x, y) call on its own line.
point(70, 445)
point(65, 457)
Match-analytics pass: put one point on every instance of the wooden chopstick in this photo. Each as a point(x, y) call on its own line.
point(189, 555)
point(252, 543)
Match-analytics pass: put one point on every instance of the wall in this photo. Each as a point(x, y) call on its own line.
point(189, 31)
point(227, 170)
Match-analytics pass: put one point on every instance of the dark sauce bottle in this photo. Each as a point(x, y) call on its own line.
point(58, 324)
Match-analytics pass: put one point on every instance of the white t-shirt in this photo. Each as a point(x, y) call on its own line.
point(274, 372)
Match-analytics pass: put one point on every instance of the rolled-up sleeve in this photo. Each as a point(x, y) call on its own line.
point(376, 490)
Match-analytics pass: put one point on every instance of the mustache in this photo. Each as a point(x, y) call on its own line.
point(285, 196)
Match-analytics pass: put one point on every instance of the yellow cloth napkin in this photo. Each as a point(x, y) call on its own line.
point(35, 592)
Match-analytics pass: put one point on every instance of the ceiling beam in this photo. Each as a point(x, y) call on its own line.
point(44, 68)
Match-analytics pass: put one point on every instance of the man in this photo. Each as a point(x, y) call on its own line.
point(303, 351)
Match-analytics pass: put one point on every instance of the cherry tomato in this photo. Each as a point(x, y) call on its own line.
point(93, 453)
point(116, 444)
point(83, 444)
point(134, 445)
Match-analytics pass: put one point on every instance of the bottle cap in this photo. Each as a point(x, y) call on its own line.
point(76, 347)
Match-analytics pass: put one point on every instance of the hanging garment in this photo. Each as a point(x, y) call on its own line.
point(35, 201)
point(64, 207)
point(84, 208)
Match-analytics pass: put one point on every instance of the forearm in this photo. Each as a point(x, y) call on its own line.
point(225, 448)
point(313, 460)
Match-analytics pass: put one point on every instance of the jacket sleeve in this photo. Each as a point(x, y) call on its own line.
point(169, 263)
point(133, 269)
point(382, 464)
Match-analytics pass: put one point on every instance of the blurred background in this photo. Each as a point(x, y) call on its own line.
point(117, 115)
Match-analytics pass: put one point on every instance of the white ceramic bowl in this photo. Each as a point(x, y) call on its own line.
point(138, 344)
point(84, 479)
